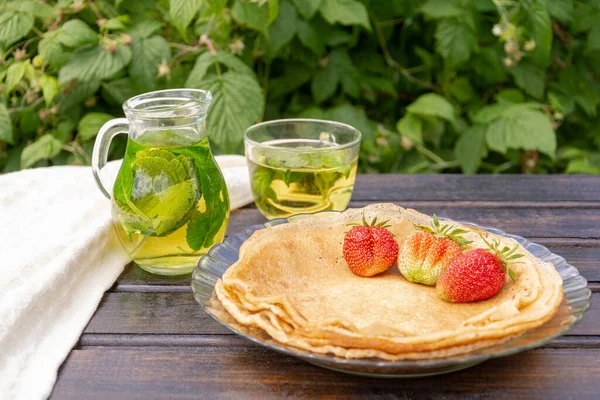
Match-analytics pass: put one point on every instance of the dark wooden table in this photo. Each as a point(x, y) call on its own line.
point(150, 339)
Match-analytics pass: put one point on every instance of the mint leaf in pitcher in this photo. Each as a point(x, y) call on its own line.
point(207, 221)
point(163, 196)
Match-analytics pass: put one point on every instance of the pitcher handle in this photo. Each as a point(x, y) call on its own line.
point(100, 154)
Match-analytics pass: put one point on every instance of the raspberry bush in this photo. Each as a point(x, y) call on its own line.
point(434, 85)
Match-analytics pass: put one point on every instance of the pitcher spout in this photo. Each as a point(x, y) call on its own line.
point(170, 103)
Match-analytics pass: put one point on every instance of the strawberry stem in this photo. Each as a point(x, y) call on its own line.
point(373, 223)
point(505, 255)
point(445, 231)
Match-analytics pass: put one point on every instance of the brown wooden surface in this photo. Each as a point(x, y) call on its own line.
point(149, 338)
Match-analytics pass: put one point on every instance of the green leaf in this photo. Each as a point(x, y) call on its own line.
point(436, 9)
point(573, 87)
point(13, 159)
point(118, 91)
point(165, 203)
point(29, 71)
point(461, 90)
point(91, 123)
point(144, 29)
point(261, 183)
point(455, 41)
point(593, 42)
point(471, 149)
point(309, 36)
point(43, 10)
point(432, 104)
point(76, 94)
point(156, 162)
point(147, 55)
point(206, 60)
point(324, 83)
point(585, 17)
point(562, 10)
point(374, 86)
point(336, 37)
point(63, 130)
point(283, 28)
point(204, 226)
point(307, 8)
point(251, 15)
point(94, 63)
point(45, 147)
point(49, 85)
point(237, 103)
point(496, 136)
point(14, 74)
point(529, 78)
point(116, 24)
point(539, 28)
point(203, 63)
point(6, 131)
point(492, 112)
point(522, 128)
point(233, 63)
point(346, 12)
point(581, 167)
point(338, 69)
point(273, 10)
point(313, 113)
point(411, 126)
point(352, 116)
point(294, 75)
point(16, 20)
point(75, 33)
point(216, 6)
point(52, 50)
point(488, 65)
point(182, 12)
point(510, 96)
point(347, 72)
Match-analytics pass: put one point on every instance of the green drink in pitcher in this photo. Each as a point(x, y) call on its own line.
point(169, 202)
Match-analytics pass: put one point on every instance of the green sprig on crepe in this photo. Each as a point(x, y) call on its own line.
point(506, 256)
point(446, 231)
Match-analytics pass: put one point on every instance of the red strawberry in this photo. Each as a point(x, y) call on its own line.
point(425, 254)
point(370, 249)
point(476, 275)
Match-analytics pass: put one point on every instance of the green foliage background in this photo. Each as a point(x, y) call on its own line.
point(434, 85)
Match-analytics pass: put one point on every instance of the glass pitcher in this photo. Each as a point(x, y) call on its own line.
point(169, 200)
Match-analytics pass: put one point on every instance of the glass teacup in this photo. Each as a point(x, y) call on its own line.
point(301, 165)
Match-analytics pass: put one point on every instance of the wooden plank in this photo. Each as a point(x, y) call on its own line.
point(132, 275)
point(582, 256)
point(528, 222)
point(91, 340)
point(178, 313)
point(257, 373)
point(477, 187)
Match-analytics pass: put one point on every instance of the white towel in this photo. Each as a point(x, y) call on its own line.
point(58, 256)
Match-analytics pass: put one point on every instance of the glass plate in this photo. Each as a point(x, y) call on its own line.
point(577, 300)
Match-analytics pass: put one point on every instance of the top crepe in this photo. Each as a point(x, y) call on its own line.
point(292, 281)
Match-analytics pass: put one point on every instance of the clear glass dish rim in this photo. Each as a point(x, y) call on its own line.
point(584, 294)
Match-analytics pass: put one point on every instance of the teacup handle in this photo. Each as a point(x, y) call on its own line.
point(100, 154)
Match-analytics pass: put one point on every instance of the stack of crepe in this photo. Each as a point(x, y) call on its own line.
point(292, 282)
